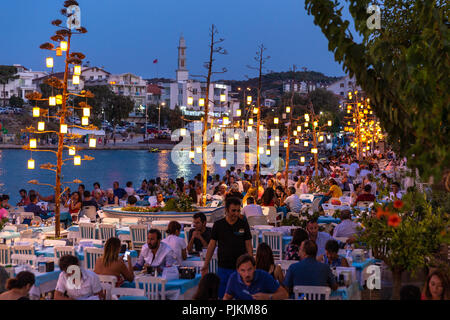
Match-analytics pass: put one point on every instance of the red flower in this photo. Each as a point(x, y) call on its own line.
point(398, 204)
point(381, 213)
point(394, 220)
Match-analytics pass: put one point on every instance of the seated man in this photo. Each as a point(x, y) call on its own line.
point(247, 283)
point(320, 238)
point(347, 228)
point(160, 200)
point(366, 195)
point(33, 207)
point(155, 253)
point(252, 209)
point(88, 200)
point(293, 201)
point(309, 271)
point(200, 235)
point(132, 201)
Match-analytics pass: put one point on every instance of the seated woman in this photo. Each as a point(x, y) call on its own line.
point(74, 205)
point(266, 262)
point(268, 198)
point(437, 287)
point(113, 265)
point(174, 240)
point(208, 288)
point(18, 287)
point(111, 198)
point(293, 248)
point(331, 256)
point(90, 286)
point(333, 192)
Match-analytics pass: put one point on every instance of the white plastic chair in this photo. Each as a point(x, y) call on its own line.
point(312, 292)
point(11, 227)
point(285, 264)
point(63, 251)
point(107, 282)
point(256, 220)
point(138, 236)
point(154, 287)
point(273, 215)
point(255, 240)
point(23, 259)
point(26, 234)
point(351, 270)
point(126, 292)
point(186, 234)
point(275, 242)
point(106, 231)
point(213, 264)
point(87, 231)
point(328, 209)
point(26, 215)
point(90, 212)
point(196, 264)
point(162, 229)
point(315, 205)
point(91, 255)
point(5, 254)
point(23, 250)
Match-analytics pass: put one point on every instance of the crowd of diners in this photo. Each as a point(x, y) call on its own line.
point(240, 274)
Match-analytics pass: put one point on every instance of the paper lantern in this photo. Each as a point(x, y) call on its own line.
point(63, 128)
point(31, 164)
point(92, 143)
point(77, 160)
point(84, 121)
point(36, 112)
point(41, 126)
point(33, 143)
point(49, 62)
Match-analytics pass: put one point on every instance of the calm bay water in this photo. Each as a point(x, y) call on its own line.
point(108, 166)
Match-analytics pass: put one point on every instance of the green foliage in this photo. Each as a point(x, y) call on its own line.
point(3, 221)
point(7, 73)
point(16, 101)
point(404, 70)
point(182, 204)
point(415, 241)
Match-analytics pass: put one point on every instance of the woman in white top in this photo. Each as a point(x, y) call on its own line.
point(177, 244)
point(67, 288)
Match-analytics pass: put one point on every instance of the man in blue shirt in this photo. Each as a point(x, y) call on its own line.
point(247, 283)
point(309, 271)
point(320, 238)
point(119, 192)
point(33, 207)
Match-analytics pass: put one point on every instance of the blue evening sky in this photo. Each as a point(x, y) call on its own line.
point(126, 36)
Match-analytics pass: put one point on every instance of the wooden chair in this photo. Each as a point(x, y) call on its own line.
point(63, 251)
point(213, 264)
point(90, 257)
point(87, 231)
point(196, 264)
point(5, 254)
point(257, 220)
point(128, 292)
point(312, 292)
point(108, 282)
point(154, 287)
point(106, 231)
point(163, 230)
point(275, 242)
point(138, 236)
point(90, 212)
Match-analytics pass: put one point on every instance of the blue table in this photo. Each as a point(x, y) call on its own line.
point(178, 284)
point(328, 219)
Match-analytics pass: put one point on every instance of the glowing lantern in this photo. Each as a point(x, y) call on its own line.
point(52, 101)
point(182, 132)
point(77, 160)
point(314, 150)
point(86, 112)
point(250, 121)
point(223, 98)
point(223, 163)
point(201, 102)
point(329, 123)
point(84, 121)
point(198, 149)
point(31, 164)
point(297, 141)
point(288, 109)
point(285, 144)
point(275, 120)
point(49, 62)
point(33, 143)
point(63, 45)
point(272, 142)
point(190, 101)
point(305, 144)
point(92, 143)
point(63, 128)
point(58, 99)
point(77, 70)
point(72, 151)
point(255, 110)
point(76, 79)
point(36, 112)
point(302, 159)
point(41, 126)
point(268, 152)
point(191, 154)
point(217, 137)
point(238, 112)
point(58, 52)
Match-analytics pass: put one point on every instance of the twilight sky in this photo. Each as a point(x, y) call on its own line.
point(126, 36)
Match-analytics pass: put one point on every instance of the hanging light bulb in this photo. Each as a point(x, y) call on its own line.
point(225, 121)
point(58, 52)
point(58, 99)
point(330, 123)
point(63, 128)
point(31, 164)
point(72, 151)
point(77, 160)
point(299, 128)
point(249, 129)
point(84, 121)
point(315, 123)
point(77, 70)
point(223, 163)
point(275, 120)
point(285, 144)
point(314, 150)
point(49, 62)
point(182, 132)
point(250, 121)
point(305, 144)
point(216, 137)
point(231, 140)
point(198, 149)
point(306, 124)
point(306, 117)
point(268, 152)
point(261, 127)
point(36, 112)
point(63, 45)
point(86, 112)
point(41, 126)
point(249, 100)
point(92, 143)
point(272, 142)
point(297, 141)
point(52, 101)
point(288, 109)
point(320, 138)
point(255, 110)
point(33, 143)
point(76, 79)
point(295, 132)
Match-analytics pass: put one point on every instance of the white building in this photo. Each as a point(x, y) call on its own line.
point(94, 76)
point(23, 85)
point(130, 85)
point(343, 86)
point(186, 93)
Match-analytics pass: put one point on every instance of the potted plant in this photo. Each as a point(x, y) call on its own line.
point(405, 234)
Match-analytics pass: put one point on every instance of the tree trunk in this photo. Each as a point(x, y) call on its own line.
point(396, 284)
